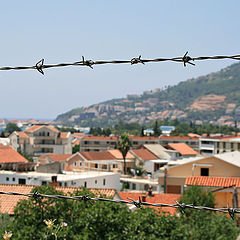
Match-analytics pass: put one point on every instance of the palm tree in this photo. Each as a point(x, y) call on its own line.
point(124, 145)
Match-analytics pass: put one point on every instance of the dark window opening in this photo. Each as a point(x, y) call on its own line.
point(7, 178)
point(85, 184)
point(104, 182)
point(204, 171)
point(44, 183)
point(22, 181)
point(13, 179)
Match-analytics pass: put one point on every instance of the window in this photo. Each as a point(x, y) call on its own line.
point(22, 181)
point(44, 183)
point(134, 186)
point(114, 166)
point(75, 163)
point(96, 143)
point(96, 165)
point(95, 181)
point(7, 178)
point(80, 164)
point(104, 182)
point(48, 134)
point(65, 184)
point(85, 184)
point(204, 171)
point(13, 179)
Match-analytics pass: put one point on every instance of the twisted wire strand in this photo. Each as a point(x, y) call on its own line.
point(185, 60)
point(137, 203)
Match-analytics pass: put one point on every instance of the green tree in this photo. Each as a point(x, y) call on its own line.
point(75, 148)
point(124, 145)
point(11, 127)
point(156, 129)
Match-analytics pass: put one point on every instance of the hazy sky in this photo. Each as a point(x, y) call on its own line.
point(63, 31)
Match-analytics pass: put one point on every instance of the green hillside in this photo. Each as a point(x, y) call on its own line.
point(214, 97)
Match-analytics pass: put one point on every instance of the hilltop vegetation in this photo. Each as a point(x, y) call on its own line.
point(213, 98)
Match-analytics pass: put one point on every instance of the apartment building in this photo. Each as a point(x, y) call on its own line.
point(218, 144)
point(139, 141)
point(97, 143)
point(40, 139)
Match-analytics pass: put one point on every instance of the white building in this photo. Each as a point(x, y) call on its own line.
point(69, 179)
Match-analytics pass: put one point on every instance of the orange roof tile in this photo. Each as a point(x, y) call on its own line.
point(36, 127)
point(156, 198)
point(58, 157)
point(22, 134)
point(179, 137)
point(142, 138)
point(183, 148)
point(98, 156)
point(99, 138)
point(9, 155)
point(117, 154)
point(9, 202)
point(144, 154)
point(213, 181)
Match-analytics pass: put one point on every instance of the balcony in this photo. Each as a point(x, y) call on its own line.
point(207, 146)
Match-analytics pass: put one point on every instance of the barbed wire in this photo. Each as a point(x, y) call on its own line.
point(186, 59)
point(137, 203)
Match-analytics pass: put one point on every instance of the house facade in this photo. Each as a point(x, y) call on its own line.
point(220, 165)
point(41, 139)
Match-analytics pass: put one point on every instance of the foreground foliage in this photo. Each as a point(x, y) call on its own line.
point(68, 219)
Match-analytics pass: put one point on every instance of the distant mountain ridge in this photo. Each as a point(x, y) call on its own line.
point(211, 98)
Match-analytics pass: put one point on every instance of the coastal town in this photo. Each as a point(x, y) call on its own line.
point(155, 167)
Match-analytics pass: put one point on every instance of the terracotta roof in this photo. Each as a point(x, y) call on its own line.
point(183, 148)
point(179, 138)
point(99, 138)
point(36, 127)
point(117, 154)
point(213, 181)
point(57, 157)
point(142, 138)
point(157, 198)
point(9, 155)
point(8, 202)
point(22, 134)
point(76, 142)
point(64, 134)
point(144, 154)
point(98, 156)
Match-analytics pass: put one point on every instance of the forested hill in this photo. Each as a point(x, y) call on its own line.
point(211, 98)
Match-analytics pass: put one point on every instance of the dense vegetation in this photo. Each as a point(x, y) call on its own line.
point(68, 219)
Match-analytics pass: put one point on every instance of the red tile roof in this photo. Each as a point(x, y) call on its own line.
point(117, 154)
point(9, 155)
point(57, 157)
point(179, 138)
point(9, 202)
point(156, 198)
point(213, 181)
point(144, 154)
point(142, 138)
point(22, 134)
point(98, 156)
point(36, 127)
point(183, 148)
point(99, 138)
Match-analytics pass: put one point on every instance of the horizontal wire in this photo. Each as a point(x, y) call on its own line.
point(137, 203)
point(185, 60)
